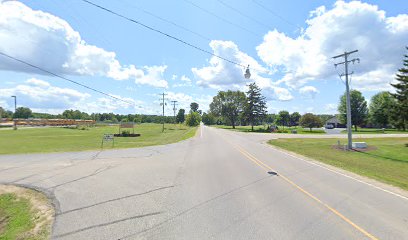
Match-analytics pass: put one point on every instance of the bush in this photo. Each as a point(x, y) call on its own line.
point(125, 132)
point(193, 119)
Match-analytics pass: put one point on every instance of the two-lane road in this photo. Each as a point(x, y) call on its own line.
point(218, 185)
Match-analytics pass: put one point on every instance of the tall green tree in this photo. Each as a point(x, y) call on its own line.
point(228, 104)
point(380, 108)
point(194, 107)
point(193, 119)
point(359, 110)
point(400, 111)
point(283, 118)
point(208, 118)
point(180, 115)
point(23, 112)
point(255, 107)
point(294, 119)
point(309, 120)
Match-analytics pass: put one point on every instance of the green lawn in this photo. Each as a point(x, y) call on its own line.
point(15, 217)
point(375, 131)
point(56, 139)
point(387, 163)
point(263, 129)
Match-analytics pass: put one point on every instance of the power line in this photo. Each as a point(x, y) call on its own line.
point(274, 13)
point(170, 22)
point(243, 14)
point(160, 32)
point(221, 18)
point(64, 78)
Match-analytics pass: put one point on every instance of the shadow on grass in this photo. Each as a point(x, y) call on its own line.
point(380, 156)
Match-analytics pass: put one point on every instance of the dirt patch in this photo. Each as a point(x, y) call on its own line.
point(343, 148)
point(41, 208)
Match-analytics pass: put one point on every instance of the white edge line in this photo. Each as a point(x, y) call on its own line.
point(344, 175)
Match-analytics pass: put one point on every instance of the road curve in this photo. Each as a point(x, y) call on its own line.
point(218, 185)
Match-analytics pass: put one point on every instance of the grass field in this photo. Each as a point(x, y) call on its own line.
point(24, 214)
point(15, 217)
point(388, 162)
point(263, 129)
point(375, 131)
point(34, 140)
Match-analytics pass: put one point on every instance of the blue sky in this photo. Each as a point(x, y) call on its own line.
point(288, 45)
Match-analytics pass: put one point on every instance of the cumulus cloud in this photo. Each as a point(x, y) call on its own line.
point(51, 43)
point(347, 26)
point(39, 94)
point(222, 75)
point(185, 82)
point(308, 92)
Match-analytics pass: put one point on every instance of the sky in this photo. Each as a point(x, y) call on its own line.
point(288, 45)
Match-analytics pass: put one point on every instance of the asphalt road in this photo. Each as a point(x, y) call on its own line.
point(218, 185)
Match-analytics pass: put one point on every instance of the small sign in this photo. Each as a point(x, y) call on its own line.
point(126, 125)
point(108, 138)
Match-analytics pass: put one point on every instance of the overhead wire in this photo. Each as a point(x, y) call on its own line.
point(168, 21)
point(221, 18)
point(160, 32)
point(64, 78)
point(275, 14)
point(243, 14)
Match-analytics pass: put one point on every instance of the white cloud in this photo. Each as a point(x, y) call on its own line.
point(185, 82)
point(222, 75)
point(330, 108)
point(348, 26)
point(154, 77)
point(39, 94)
point(51, 43)
point(308, 92)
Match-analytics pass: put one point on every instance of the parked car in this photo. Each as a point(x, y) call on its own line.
point(328, 126)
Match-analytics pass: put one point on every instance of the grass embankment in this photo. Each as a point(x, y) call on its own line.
point(387, 162)
point(263, 129)
point(376, 131)
point(24, 214)
point(56, 139)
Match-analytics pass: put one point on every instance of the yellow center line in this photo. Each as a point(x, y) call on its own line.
point(267, 167)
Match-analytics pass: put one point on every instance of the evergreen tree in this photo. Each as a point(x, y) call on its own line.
point(400, 112)
point(255, 108)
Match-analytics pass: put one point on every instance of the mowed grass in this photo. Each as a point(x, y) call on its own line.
point(56, 139)
point(15, 217)
point(263, 129)
point(376, 131)
point(388, 162)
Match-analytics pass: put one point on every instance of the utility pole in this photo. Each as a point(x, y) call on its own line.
point(174, 103)
point(15, 110)
point(348, 105)
point(163, 104)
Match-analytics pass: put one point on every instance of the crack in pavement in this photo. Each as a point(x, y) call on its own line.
point(115, 199)
point(107, 224)
point(97, 171)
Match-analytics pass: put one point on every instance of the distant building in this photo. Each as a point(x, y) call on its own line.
point(334, 121)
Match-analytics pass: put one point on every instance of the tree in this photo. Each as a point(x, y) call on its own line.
point(229, 105)
point(255, 107)
point(4, 113)
point(294, 119)
point(23, 112)
point(359, 111)
point(400, 111)
point(380, 108)
point(283, 118)
point(180, 115)
point(309, 120)
point(208, 119)
point(193, 119)
point(194, 107)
